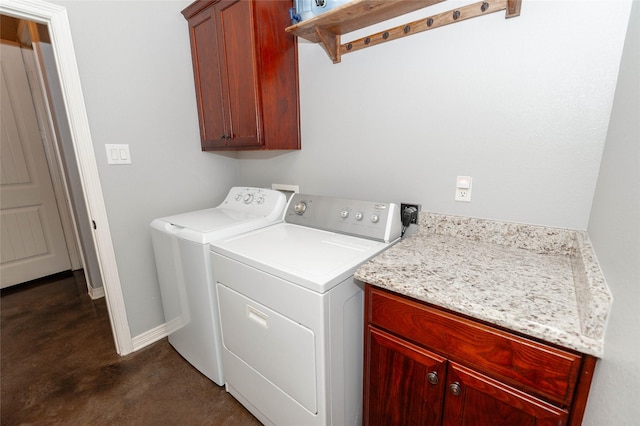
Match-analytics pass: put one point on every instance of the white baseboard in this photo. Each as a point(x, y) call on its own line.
point(148, 337)
point(96, 293)
point(144, 339)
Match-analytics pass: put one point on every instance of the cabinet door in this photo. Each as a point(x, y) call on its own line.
point(208, 79)
point(235, 28)
point(404, 384)
point(473, 399)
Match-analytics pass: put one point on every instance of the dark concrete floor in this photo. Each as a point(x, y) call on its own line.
point(59, 367)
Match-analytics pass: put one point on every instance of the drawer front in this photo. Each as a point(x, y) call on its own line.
point(526, 364)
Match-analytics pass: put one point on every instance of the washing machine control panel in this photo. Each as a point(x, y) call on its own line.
point(367, 219)
point(257, 201)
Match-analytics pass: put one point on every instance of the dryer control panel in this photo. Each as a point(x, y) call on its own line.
point(367, 219)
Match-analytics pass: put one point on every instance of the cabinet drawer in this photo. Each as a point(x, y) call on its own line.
point(526, 364)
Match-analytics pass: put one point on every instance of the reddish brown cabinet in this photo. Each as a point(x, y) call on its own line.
point(246, 74)
point(424, 365)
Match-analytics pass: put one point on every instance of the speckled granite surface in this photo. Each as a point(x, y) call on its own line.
point(543, 282)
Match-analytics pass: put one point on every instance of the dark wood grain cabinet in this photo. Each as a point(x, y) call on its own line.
point(246, 74)
point(424, 365)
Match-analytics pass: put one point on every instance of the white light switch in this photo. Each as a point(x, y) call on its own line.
point(118, 153)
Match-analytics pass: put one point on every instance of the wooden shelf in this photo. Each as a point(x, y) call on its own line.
point(328, 27)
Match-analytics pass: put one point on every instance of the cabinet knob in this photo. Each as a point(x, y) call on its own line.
point(432, 378)
point(455, 388)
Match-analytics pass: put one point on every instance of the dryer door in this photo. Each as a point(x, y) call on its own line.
point(278, 348)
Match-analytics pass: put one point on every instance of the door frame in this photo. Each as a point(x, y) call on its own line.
point(36, 77)
point(55, 17)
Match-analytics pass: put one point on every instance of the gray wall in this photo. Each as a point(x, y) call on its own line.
point(70, 166)
point(521, 105)
point(134, 62)
point(614, 228)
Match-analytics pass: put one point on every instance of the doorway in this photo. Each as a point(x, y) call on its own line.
point(31, 251)
point(54, 18)
point(35, 240)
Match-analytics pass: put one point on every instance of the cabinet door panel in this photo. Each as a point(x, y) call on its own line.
point(237, 36)
point(397, 387)
point(204, 50)
point(484, 401)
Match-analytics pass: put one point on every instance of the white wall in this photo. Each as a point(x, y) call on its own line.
point(135, 68)
point(614, 228)
point(521, 105)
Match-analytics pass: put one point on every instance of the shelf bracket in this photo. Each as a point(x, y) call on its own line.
point(512, 8)
point(330, 42)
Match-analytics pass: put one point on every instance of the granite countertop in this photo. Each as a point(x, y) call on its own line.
point(542, 282)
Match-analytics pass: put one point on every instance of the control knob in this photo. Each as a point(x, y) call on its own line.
point(344, 214)
point(375, 218)
point(248, 198)
point(300, 208)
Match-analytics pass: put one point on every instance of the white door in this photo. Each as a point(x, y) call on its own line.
point(33, 243)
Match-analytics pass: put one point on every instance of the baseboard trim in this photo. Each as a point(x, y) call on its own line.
point(148, 337)
point(96, 293)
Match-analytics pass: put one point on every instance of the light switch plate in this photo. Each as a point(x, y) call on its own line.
point(118, 153)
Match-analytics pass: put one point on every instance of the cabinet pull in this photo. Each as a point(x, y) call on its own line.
point(432, 378)
point(455, 388)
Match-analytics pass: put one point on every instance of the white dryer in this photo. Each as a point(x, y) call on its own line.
point(292, 312)
point(181, 249)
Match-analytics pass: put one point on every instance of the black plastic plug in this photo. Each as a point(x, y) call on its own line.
point(408, 215)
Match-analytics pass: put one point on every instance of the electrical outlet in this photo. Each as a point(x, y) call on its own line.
point(463, 194)
point(405, 205)
point(463, 188)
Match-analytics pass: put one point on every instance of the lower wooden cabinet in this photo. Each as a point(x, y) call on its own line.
point(427, 366)
point(405, 383)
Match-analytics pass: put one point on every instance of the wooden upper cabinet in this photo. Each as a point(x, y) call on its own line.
point(246, 74)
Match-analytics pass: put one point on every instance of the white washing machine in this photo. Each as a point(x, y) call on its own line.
point(292, 313)
point(181, 249)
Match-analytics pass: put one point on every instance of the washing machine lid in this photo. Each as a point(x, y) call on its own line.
point(209, 220)
point(312, 258)
point(205, 226)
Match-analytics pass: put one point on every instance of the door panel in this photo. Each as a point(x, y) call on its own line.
point(403, 383)
point(33, 243)
point(478, 400)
